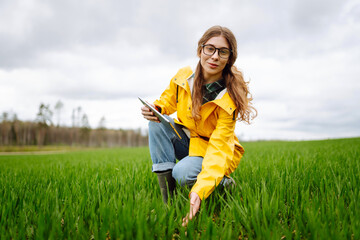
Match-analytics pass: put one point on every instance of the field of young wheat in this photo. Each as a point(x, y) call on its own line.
point(284, 190)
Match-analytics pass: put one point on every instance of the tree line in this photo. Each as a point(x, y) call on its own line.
point(42, 131)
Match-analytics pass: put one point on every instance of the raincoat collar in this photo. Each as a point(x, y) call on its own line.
point(223, 100)
point(182, 77)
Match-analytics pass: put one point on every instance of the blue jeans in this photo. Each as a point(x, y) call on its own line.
point(165, 148)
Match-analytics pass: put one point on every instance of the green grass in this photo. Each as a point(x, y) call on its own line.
point(285, 190)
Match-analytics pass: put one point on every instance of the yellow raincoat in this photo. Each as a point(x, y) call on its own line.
point(212, 137)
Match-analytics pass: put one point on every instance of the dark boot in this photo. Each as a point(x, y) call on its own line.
point(166, 183)
point(228, 183)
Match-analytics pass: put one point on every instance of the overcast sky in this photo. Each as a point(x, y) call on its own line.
point(302, 59)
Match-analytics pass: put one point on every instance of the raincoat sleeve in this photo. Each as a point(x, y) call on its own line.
point(167, 100)
point(218, 156)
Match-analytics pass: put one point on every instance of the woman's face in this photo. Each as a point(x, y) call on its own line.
point(213, 65)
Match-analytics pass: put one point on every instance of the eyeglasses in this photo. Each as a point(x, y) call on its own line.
point(209, 50)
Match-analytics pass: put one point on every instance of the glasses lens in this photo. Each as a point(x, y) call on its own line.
point(209, 50)
point(224, 53)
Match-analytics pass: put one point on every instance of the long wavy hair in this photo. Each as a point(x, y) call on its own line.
point(235, 84)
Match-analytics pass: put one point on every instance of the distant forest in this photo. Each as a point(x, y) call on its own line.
point(43, 131)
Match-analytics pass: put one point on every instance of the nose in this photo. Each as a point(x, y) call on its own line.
point(215, 55)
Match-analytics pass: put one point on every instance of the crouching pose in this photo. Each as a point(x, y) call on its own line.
point(208, 102)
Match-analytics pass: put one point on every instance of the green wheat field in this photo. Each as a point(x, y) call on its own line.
point(284, 190)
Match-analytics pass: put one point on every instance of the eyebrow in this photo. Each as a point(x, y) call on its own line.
point(215, 46)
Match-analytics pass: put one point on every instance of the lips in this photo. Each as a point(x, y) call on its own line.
point(212, 65)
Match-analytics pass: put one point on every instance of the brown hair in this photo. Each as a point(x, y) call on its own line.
point(235, 84)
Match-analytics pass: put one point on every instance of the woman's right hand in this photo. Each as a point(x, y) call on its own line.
point(148, 114)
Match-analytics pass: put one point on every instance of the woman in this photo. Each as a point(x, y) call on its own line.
point(208, 102)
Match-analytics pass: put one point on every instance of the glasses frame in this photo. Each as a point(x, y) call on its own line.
point(218, 49)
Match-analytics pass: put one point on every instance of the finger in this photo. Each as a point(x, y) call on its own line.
point(152, 118)
point(194, 211)
point(185, 220)
point(149, 115)
point(191, 215)
point(145, 109)
point(146, 112)
point(155, 119)
point(184, 223)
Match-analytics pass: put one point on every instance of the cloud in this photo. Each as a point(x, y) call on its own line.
point(36, 27)
point(314, 16)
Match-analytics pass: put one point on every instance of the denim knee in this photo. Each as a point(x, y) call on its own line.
point(180, 175)
point(186, 170)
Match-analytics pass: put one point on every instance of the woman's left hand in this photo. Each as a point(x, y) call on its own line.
point(195, 202)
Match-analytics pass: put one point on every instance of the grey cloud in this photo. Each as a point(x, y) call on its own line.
point(66, 25)
point(329, 116)
point(355, 13)
point(314, 16)
point(170, 26)
point(298, 29)
point(335, 127)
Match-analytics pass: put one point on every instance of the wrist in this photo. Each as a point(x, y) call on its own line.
point(157, 108)
point(194, 194)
